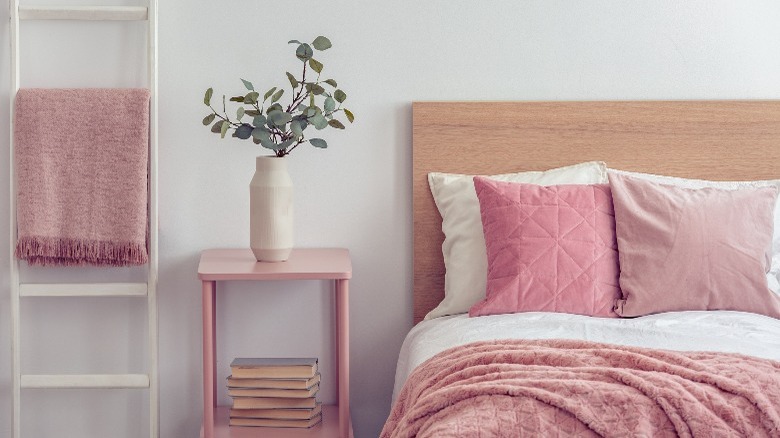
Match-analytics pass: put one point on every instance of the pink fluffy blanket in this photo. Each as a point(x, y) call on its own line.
point(81, 161)
point(564, 388)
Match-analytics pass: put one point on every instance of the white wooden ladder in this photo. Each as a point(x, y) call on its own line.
point(146, 290)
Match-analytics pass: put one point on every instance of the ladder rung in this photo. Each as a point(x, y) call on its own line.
point(82, 290)
point(132, 13)
point(84, 381)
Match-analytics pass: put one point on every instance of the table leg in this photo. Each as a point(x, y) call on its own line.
point(209, 357)
point(342, 349)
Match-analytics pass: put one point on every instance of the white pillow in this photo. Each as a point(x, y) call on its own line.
point(465, 255)
point(773, 276)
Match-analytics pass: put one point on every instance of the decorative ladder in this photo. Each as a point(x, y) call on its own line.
point(147, 289)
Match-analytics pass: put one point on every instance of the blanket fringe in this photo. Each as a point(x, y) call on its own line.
point(46, 251)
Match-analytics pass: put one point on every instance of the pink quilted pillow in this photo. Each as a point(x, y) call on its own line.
point(693, 249)
point(549, 249)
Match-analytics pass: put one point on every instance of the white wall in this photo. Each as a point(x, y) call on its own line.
point(356, 194)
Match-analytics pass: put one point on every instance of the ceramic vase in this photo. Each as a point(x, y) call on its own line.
point(271, 210)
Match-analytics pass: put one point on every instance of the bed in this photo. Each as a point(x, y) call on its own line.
point(710, 140)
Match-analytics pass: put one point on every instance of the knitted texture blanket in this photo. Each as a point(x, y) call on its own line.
point(521, 388)
point(81, 161)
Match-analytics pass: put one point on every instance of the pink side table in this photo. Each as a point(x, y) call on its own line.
point(304, 264)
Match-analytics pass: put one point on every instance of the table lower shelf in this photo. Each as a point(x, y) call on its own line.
point(328, 428)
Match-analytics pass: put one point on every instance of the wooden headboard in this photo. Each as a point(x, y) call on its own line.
point(718, 140)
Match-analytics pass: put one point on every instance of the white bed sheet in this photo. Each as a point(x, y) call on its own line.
point(724, 331)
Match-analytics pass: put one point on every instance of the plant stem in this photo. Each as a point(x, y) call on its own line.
point(298, 99)
point(224, 118)
point(294, 146)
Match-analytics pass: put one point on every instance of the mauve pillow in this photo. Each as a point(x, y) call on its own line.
point(549, 249)
point(693, 249)
point(773, 276)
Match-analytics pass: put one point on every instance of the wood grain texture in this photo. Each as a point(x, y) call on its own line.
point(717, 140)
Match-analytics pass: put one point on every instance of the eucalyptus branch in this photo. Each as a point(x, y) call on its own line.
point(226, 118)
point(282, 129)
point(296, 101)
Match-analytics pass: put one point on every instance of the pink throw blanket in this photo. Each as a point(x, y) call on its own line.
point(564, 387)
point(81, 160)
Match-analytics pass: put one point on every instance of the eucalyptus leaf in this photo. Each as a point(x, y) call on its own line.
point(295, 127)
point(253, 113)
point(277, 95)
point(259, 120)
point(293, 42)
point(237, 99)
point(217, 127)
point(321, 43)
point(248, 85)
point(240, 112)
point(319, 121)
point(223, 129)
point(315, 65)
point(329, 104)
point(282, 119)
point(349, 115)
point(318, 143)
point(269, 144)
point(251, 97)
point(304, 52)
point(268, 94)
point(336, 124)
point(293, 81)
point(208, 119)
point(317, 89)
point(274, 107)
point(313, 111)
point(279, 118)
point(331, 82)
point(340, 96)
point(244, 131)
point(207, 96)
point(261, 134)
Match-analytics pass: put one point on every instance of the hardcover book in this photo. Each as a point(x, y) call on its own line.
point(264, 368)
point(273, 403)
point(273, 392)
point(270, 422)
point(234, 382)
point(282, 414)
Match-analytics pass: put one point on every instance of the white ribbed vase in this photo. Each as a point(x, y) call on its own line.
point(271, 210)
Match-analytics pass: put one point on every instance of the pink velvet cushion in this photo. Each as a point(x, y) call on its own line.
point(693, 249)
point(549, 249)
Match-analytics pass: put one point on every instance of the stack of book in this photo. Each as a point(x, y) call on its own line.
point(274, 392)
